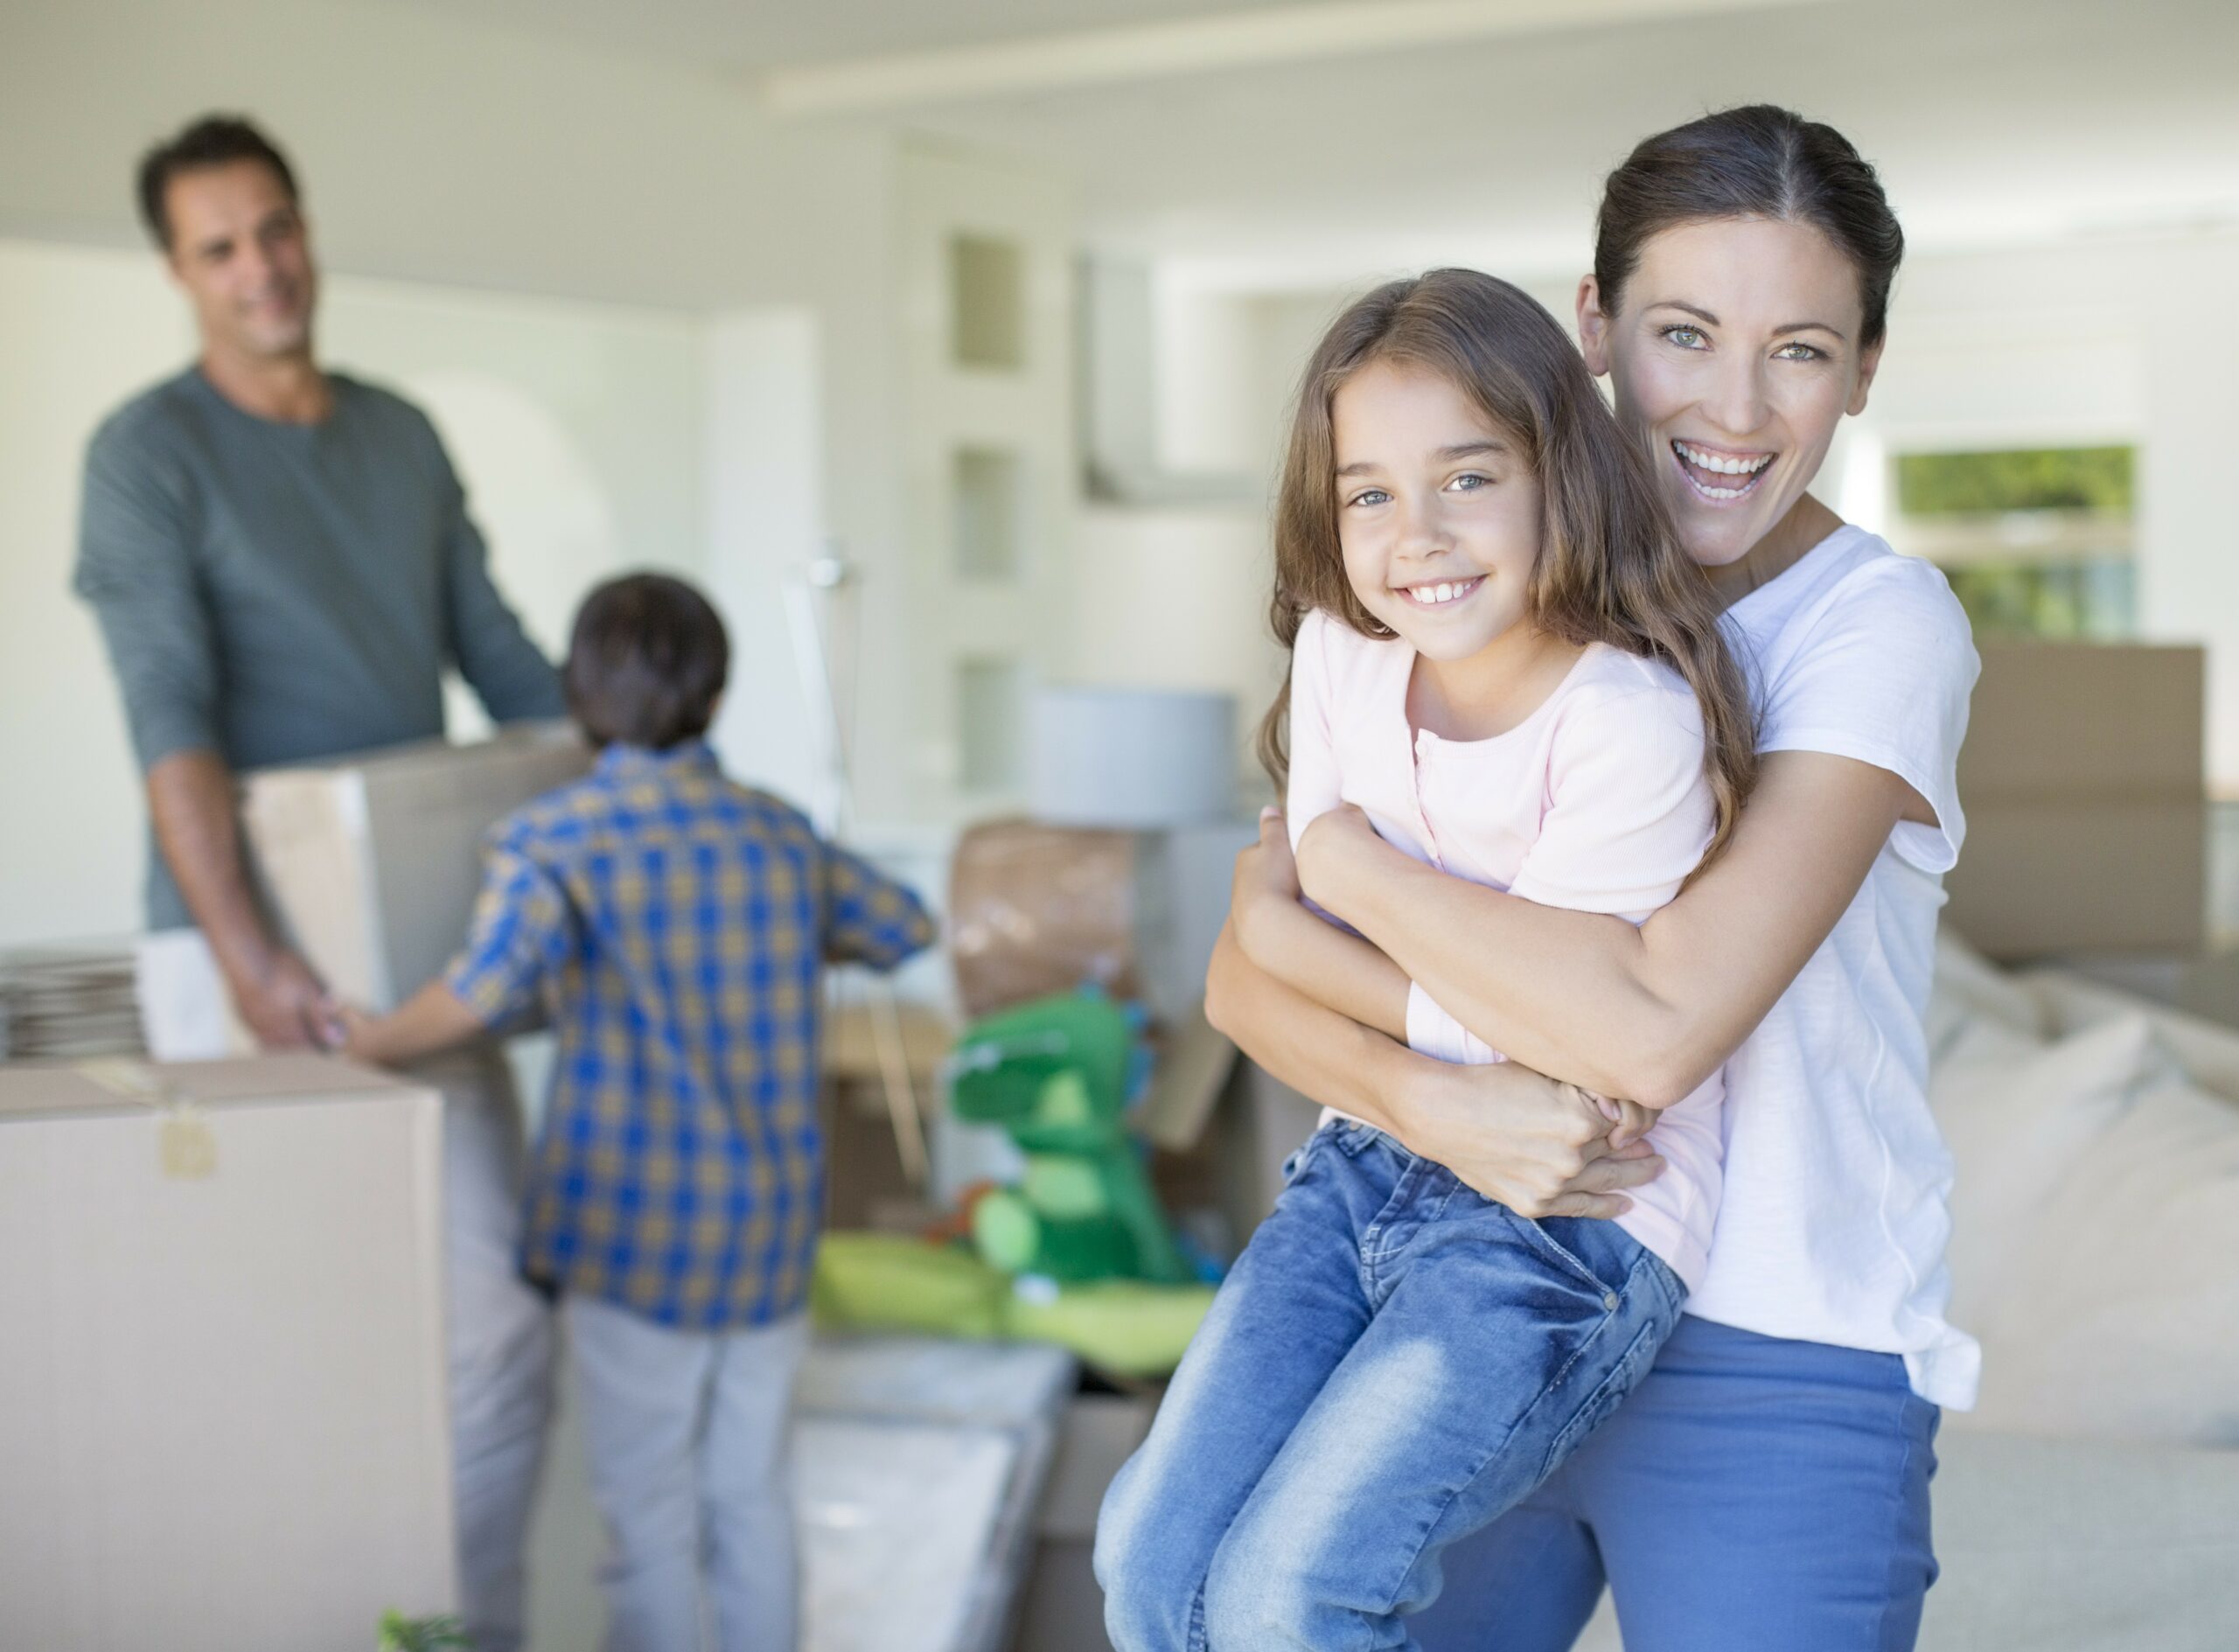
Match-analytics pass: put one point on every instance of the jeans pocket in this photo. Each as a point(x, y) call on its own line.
point(1621, 1377)
point(1568, 1259)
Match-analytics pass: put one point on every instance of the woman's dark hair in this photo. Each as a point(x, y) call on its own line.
point(1759, 161)
point(647, 662)
point(215, 140)
point(1610, 568)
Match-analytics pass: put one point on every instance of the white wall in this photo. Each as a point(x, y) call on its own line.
point(1177, 598)
point(436, 149)
point(2188, 528)
point(576, 427)
point(766, 517)
point(925, 620)
point(536, 238)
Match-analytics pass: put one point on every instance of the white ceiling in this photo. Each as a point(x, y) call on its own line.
point(756, 37)
point(1994, 120)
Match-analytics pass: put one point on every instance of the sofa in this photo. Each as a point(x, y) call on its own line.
point(2090, 1502)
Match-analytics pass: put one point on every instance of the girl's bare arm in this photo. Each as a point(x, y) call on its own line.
point(1647, 1012)
point(1540, 1148)
point(1305, 951)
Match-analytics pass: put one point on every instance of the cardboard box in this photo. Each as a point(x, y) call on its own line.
point(372, 863)
point(1036, 909)
point(222, 1412)
point(2087, 811)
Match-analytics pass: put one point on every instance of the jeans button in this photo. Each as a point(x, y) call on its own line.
point(1609, 1301)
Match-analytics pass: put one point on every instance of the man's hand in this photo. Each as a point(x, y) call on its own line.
point(281, 1002)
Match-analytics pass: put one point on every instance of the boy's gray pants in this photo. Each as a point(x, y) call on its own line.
point(688, 1461)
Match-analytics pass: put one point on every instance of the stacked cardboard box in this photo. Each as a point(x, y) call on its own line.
point(221, 1356)
point(65, 1003)
point(2087, 812)
point(372, 863)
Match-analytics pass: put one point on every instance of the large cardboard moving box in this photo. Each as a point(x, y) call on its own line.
point(2082, 780)
point(373, 862)
point(222, 1414)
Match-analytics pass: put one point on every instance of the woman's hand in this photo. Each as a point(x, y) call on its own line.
point(1336, 844)
point(1540, 1148)
point(1266, 878)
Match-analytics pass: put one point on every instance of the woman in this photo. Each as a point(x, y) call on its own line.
point(1766, 1487)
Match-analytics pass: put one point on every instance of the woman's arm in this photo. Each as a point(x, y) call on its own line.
point(1305, 951)
point(1539, 1147)
point(1647, 1012)
point(1514, 1136)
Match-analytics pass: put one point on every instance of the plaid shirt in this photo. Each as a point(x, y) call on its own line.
point(677, 925)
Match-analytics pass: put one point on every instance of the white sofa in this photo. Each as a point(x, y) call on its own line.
point(2090, 1503)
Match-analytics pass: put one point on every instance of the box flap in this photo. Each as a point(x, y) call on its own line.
point(44, 1089)
point(414, 757)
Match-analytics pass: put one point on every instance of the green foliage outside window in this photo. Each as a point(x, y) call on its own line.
point(2035, 542)
point(2066, 601)
point(2030, 479)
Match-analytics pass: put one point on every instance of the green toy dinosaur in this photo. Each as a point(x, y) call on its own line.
point(1057, 1075)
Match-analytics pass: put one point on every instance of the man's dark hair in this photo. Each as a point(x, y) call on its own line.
point(647, 662)
point(215, 140)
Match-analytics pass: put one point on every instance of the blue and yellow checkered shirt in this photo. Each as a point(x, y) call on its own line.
point(677, 926)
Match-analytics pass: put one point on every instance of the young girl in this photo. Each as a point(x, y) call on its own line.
point(1502, 655)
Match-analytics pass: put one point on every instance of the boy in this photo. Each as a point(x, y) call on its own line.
point(676, 925)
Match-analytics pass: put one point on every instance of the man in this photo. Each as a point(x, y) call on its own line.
point(283, 566)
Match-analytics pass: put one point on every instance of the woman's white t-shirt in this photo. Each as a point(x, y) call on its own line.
point(1834, 1216)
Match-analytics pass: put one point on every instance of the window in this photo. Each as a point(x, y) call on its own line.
point(2035, 542)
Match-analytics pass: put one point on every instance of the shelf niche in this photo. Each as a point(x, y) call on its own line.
point(986, 284)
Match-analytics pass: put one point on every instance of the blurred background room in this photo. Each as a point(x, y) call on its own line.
point(947, 346)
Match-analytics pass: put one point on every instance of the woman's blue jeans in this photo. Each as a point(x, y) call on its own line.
point(1754, 1495)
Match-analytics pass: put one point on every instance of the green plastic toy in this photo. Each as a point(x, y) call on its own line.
point(887, 1282)
point(1058, 1074)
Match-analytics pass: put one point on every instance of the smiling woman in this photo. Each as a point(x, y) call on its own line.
point(1737, 304)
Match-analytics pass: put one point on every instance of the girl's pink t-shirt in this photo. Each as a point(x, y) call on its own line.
point(1597, 801)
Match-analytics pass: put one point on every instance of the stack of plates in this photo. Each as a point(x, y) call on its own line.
point(68, 1004)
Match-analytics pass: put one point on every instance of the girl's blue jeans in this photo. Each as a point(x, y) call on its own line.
point(1393, 1363)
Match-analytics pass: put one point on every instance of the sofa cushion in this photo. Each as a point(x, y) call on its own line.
point(2095, 1227)
point(1970, 990)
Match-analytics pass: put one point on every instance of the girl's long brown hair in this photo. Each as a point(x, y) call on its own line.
point(1611, 567)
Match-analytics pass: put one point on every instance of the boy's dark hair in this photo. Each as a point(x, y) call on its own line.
point(647, 662)
point(214, 140)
